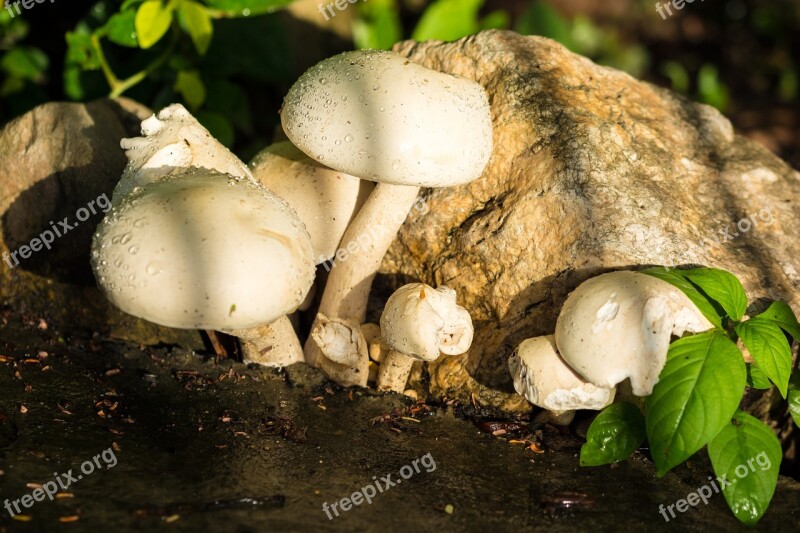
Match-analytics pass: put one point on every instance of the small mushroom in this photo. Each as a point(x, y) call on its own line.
point(345, 349)
point(421, 323)
point(375, 115)
point(545, 380)
point(618, 325)
point(183, 199)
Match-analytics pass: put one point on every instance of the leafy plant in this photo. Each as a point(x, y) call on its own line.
point(379, 23)
point(180, 49)
point(696, 400)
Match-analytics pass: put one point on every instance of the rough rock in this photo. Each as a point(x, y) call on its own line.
point(55, 161)
point(592, 171)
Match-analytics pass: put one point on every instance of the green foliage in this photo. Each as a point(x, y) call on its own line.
point(748, 454)
point(680, 419)
point(695, 402)
point(379, 26)
point(614, 435)
point(182, 50)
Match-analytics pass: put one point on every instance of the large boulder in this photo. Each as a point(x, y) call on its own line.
point(58, 166)
point(592, 170)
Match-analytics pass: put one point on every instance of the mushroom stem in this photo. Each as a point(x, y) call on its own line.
point(394, 372)
point(359, 257)
point(273, 345)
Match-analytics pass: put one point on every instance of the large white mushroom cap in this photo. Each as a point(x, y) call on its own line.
point(545, 380)
point(618, 325)
point(376, 115)
point(324, 199)
point(203, 251)
point(422, 322)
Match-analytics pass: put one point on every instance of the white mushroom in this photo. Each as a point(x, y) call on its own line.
point(324, 199)
point(618, 325)
point(203, 251)
point(421, 323)
point(375, 115)
point(176, 149)
point(344, 347)
point(545, 380)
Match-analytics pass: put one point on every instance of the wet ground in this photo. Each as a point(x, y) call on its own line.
point(211, 445)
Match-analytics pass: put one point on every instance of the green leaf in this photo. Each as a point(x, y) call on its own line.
point(81, 51)
point(767, 344)
point(793, 397)
point(496, 20)
point(748, 455)
point(698, 391)
point(191, 88)
point(541, 19)
point(152, 21)
point(711, 89)
point(448, 20)
point(700, 300)
point(378, 25)
point(721, 286)
point(248, 8)
point(614, 435)
point(196, 21)
point(121, 29)
point(25, 62)
point(756, 378)
point(783, 316)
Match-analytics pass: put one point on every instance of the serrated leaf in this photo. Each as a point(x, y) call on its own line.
point(191, 87)
point(756, 378)
point(783, 316)
point(698, 391)
point(747, 454)
point(700, 300)
point(767, 344)
point(196, 21)
point(723, 287)
point(793, 397)
point(121, 29)
point(153, 19)
point(614, 435)
point(448, 20)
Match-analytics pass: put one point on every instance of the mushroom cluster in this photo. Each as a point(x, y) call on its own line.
point(612, 328)
point(197, 239)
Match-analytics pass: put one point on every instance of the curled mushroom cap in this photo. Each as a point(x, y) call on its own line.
point(376, 115)
point(544, 379)
point(422, 322)
point(203, 251)
point(618, 325)
point(171, 142)
point(324, 199)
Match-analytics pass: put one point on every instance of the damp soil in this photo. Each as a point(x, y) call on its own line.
point(207, 444)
